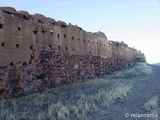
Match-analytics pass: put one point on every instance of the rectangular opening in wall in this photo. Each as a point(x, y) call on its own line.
point(19, 28)
point(35, 32)
point(11, 64)
point(43, 31)
point(51, 32)
point(31, 47)
point(63, 26)
point(50, 46)
point(17, 45)
point(2, 44)
point(25, 17)
point(66, 48)
point(1, 25)
point(58, 36)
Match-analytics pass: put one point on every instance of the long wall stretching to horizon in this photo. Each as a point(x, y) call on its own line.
point(38, 52)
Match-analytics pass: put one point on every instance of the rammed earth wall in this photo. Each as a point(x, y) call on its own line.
point(38, 52)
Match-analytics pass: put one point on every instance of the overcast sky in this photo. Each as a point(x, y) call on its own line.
point(136, 22)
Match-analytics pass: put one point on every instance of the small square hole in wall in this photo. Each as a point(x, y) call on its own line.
point(31, 47)
point(63, 26)
point(2, 44)
point(19, 28)
point(66, 48)
point(43, 31)
point(35, 32)
point(1, 25)
point(24, 63)
point(51, 32)
point(50, 46)
point(11, 64)
point(58, 36)
point(17, 45)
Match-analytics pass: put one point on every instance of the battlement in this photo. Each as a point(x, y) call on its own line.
point(37, 52)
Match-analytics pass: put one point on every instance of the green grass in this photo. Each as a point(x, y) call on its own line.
point(74, 101)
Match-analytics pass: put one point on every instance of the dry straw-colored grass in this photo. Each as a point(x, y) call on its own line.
point(74, 101)
point(153, 105)
point(140, 69)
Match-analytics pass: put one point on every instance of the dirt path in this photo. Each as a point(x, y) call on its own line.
point(144, 88)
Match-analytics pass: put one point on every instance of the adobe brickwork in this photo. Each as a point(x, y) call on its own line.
point(38, 52)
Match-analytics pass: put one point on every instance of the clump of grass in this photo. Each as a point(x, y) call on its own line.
point(152, 104)
point(66, 102)
point(80, 104)
point(139, 69)
point(157, 64)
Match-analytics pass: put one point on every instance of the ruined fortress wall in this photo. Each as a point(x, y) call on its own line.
point(38, 52)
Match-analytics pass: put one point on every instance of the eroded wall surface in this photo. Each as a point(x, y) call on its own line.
point(38, 52)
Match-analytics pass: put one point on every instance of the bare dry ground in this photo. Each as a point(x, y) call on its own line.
point(133, 90)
